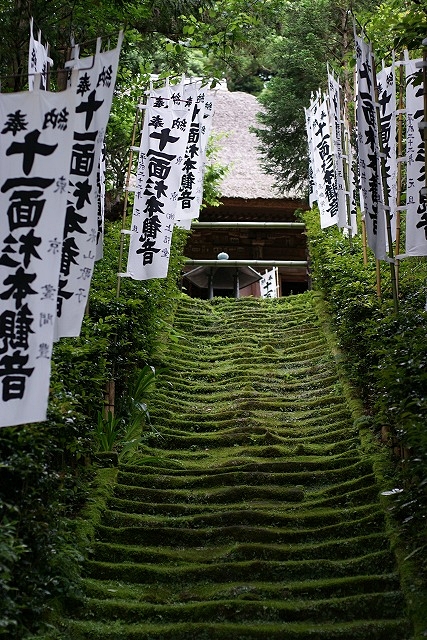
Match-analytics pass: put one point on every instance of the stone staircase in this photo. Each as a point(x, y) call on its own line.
point(253, 512)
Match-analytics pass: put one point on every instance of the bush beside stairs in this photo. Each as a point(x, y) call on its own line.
point(254, 511)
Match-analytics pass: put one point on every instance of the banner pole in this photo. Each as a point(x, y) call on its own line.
point(138, 120)
point(364, 243)
point(378, 275)
point(399, 167)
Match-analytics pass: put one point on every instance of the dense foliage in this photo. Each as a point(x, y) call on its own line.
point(385, 354)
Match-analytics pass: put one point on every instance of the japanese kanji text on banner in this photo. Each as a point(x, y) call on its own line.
point(36, 132)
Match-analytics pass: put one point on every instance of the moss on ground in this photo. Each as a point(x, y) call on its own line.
point(255, 509)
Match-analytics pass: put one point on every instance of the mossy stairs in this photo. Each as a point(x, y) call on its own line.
point(254, 511)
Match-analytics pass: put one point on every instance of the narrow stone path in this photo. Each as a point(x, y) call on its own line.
point(254, 512)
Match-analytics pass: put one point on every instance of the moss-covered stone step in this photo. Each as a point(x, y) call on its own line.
point(329, 549)
point(268, 390)
point(177, 503)
point(396, 629)
point(357, 491)
point(175, 536)
point(287, 411)
point(381, 606)
point(244, 516)
point(299, 472)
point(259, 570)
point(239, 590)
point(301, 377)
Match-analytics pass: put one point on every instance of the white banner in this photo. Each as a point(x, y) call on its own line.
point(162, 150)
point(386, 82)
point(369, 151)
point(416, 208)
point(351, 179)
point(94, 92)
point(191, 189)
point(38, 60)
point(269, 284)
point(205, 130)
point(35, 152)
point(324, 172)
point(312, 193)
point(337, 148)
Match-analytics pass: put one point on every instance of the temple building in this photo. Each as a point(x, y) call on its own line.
point(255, 227)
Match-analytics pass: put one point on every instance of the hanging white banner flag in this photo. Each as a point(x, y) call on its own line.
point(191, 188)
point(351, 179)
point(369, 151)
point(191, 166)
point(269, 284)
point(337, 148)
point(324, 171)
point(386, 83)
point(162, 150)
point(38, 60)
point(94, 92)
point(36, 133)
point(206, 127)
point(312, 193)
point(416, 204)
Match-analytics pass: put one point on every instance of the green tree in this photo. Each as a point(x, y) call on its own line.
point(395, 25)
point(312, 35)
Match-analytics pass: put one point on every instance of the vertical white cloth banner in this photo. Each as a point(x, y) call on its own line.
point(206, 126)
point(386, 82)
point(192, 165)
point(94, 93)
point(369, 151)
point(312, 194)
point(337, 148)
point(163, 143)
point(351, 180)
point(324, 172)
point(269, 284)
point(416, 208)
point(36, 133)
point(38, 60)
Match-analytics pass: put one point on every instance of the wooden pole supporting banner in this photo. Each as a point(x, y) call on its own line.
point(364, 243)
point(109, 398)
point(138, 120)
point(399, 166)
point(378, 275)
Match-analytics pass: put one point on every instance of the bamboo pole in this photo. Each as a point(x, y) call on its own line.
point(399, 168)
point(364, 243)
point(138, 120)
point(378, 275)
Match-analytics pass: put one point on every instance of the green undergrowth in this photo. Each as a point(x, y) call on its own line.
point(384, 354)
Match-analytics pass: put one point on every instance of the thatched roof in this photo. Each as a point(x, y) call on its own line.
point(235, 113)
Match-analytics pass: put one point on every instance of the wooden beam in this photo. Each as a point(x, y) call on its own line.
point(247, 225)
